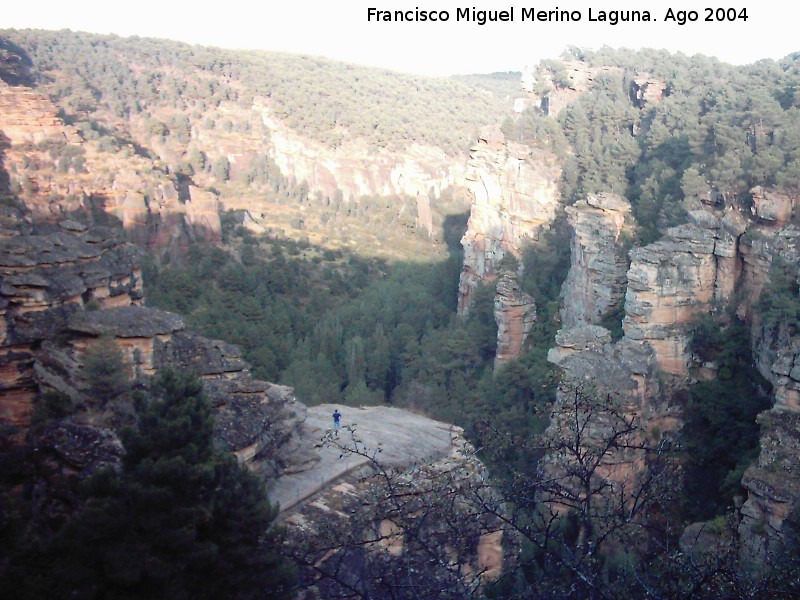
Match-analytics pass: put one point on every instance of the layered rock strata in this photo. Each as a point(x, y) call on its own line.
point(514, 192)
point(49, 281)
point(353, 169)
point(123, 184)
point(515, 314)
point(691, 270)
point(28, 117)
point(597, 278)
point(607, 411)
point(44, 279)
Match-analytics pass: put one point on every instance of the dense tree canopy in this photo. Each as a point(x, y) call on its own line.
point(179, 520)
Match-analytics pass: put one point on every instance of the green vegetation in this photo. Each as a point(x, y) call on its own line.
point(179, 519)
point(321, 98)
point(718, 131)
point(779, 304)
point(106, 371)
point(265, 300)
point(721, 436)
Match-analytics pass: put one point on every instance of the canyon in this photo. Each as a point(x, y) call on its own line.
point(81, 210)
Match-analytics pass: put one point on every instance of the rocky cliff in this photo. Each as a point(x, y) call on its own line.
point(69, 291)
point(353, 169)
point(43, 280)
point(395, 499)
point(773, 480)
point(57, 173)
point(554, 86)
point(597, 277)
point(720, 258)
point(515, 314)
point(514, 191)
point(692, 270)
point(62, 291)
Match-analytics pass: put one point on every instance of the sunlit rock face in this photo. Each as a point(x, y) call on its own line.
point(678, 278)
point(59, 174)
point(597, 277)
point(354, 169)
point(515, 314)
point(514, 192)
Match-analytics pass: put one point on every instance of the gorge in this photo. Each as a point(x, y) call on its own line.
point(542, 301)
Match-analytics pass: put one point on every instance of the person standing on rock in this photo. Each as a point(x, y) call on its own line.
point(336, 418)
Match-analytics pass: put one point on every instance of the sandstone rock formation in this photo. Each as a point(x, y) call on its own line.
point(552, 91)
point(596, 282)
point(647, 90)
point(577, 339)
point(43, 280)
point(47, 281)
point(28, 117)
point(771, 205)
point(515, 194)
point(673, 281)
point(354, 169)
point(515, 314)
point(391, 491)
point(123, 184)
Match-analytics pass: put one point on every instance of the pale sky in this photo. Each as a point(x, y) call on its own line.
point(340, 29)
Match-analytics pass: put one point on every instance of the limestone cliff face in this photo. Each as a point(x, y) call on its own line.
point(597, 277)
point(515, 314)
point(678, 278)
point(514, 192)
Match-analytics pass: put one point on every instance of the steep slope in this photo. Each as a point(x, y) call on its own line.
point(309, 148)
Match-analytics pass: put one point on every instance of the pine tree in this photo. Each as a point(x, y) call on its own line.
point(181, 519)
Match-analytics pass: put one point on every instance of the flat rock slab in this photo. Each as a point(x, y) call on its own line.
point(403, 437)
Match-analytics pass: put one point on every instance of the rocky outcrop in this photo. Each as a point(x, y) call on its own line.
point(578, 339)
point(42, 150)
point(392, 497)
point(773, 481)
point(514, 192)
point(597, 278)
point(43, 280)
point(515, 314)
point(353, 169)
point(671, 282)
point(647, 90)
point(554, 87)
point(608, 409)
point(771, 205)
point(28, 117)
point(60, 292)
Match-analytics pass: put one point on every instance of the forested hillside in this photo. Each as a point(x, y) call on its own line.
point(715, 133)
point(318, 97)
point(343, 281)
